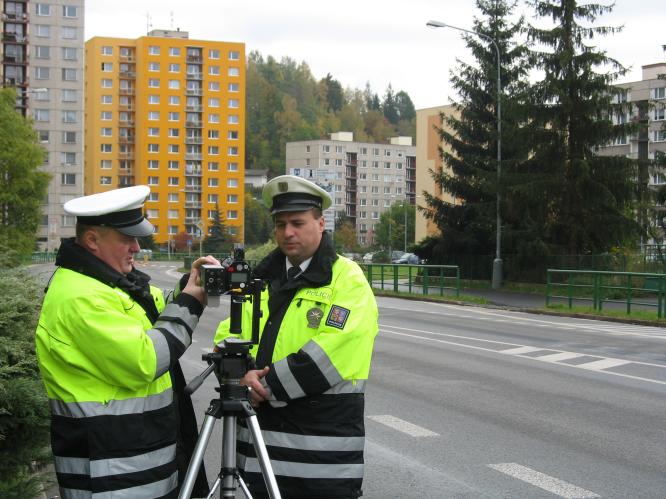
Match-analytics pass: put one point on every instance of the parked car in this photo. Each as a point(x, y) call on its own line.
point(367, 258)
point(396, 255)
point(409, 258)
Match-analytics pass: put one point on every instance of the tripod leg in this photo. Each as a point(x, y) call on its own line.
point(262, 456)
point(197, 457)
point(229, 457)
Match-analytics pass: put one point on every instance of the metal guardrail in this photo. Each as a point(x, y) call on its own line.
point(413, 279)
point(603, 287)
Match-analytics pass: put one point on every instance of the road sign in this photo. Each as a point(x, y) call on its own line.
point(200, 224)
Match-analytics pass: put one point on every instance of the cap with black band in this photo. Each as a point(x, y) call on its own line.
point(119, 209)
point(292, 193)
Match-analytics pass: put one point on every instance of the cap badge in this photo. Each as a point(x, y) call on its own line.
point(283, 186)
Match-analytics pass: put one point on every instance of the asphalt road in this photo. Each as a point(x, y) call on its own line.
point(472, 402)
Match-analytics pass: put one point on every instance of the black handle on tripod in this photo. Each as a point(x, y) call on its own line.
point(194, 385)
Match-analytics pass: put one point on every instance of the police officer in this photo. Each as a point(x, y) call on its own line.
point(106, 343)
point(318, 327)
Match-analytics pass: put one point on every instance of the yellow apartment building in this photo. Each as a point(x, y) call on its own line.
point(168, 112)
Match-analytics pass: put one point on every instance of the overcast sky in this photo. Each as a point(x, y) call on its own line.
point(359, 41)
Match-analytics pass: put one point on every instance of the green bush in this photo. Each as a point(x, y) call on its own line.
point(24, 412)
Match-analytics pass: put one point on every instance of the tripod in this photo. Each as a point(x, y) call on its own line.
point(230, 364)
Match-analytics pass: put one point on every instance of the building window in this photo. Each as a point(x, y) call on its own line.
point(234, 72)
point(69, 137)
point(173, 181)
point(659, 135)
point(234, 103)
point(233, 119)
point(232, 182)
point(174, 51)
point(42, 115)
point(68, 74)
point(69, 54)
point(105, 180)
point(153, 66)
point(152, 213)
point(173, 165)
point(213, 134)
point(234, 55)
point(69, 116)
point(68, 178)
point(153, 99)
point(107, 83)
point(107, 67)
point(174, 67)
point(43, 30)
point(233, 87)
point(232, 214)
point(42, 52)
point(174, 100)
point(69, 11)
point(106, 148)
point(232, 166)
point(387, 164)
point(42, 73)
point(105, 116)
point(232, 134)
point(214, 70)
point(212, 198)
point(153, 148)
point(213, 54)
point(69, 33)
point(43, 136)
point(213, 102)
point(172, 214)
point(173, 197)
point(153, 132)
point(43, 9)
point(213, 150)
point(153, 115)
point(660, 113)
point(153, 180)
point(107, 50)
point(174, 116)
point(68, 158)
point(154, 83)
point(232, 151)
point(105, 164)
point(174, 132)
point(174, 84)
point(213, 182)
point(154, 50)
point(232, 198)
point(153, 197)
point(214, 86)
point(213, 166)
point(153, 164)
point(174, 148)
point(107, 99)
point(659, 93)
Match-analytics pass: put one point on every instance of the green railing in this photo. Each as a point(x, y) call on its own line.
point(38, 257)
point(414, 279)
point(630, 289)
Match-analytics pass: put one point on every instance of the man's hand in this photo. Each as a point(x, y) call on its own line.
point(193, 286)
point(252, 379)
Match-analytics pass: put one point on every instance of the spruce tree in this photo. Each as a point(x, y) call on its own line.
point(580, 202)
point(469, 176)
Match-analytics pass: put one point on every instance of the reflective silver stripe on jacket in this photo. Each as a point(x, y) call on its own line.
point(162, 353)
point(182, 312)
point(149, 491)
point(287, 379)
point(97, 468)
point(357, 386)
point(319, 356)
point(305, 442)
point(113, 407)
point(308, 470)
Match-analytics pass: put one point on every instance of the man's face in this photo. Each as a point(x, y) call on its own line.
point(298, 234)
point(115, 249)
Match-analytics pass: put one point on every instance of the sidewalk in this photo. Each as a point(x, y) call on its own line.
point(508, 298)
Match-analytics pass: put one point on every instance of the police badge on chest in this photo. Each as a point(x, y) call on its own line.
point(314, 317)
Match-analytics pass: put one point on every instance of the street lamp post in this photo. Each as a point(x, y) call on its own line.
point(497, 263)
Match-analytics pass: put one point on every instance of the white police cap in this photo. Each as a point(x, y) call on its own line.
point(292, 193)
point(119, 209)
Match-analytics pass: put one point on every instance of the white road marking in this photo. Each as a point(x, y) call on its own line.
point(607, 363)
point(559, 357)
point(403, 426)
point(521, 350)
point(543, 481)
point(474, 347)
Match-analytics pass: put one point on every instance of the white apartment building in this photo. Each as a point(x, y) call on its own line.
point(42, 57)
point(364, 178)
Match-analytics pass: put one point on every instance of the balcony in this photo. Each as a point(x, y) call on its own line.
point(193, 156)
point(126, 57)
point(192, 204)
point(194, 76)
point(194, 124)
point(193, 91)
point(14, 38)
point(198, 108)
point(194, 58)
point(193, 140)
point(193, 172)
point(128, 74)
point(126, 91)
point(126, 123)
point(126, 140)
point(126, 107)
point(126, 155)
point(14, 17)
point(192, 188)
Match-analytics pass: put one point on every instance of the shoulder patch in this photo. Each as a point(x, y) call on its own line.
point(337, 317)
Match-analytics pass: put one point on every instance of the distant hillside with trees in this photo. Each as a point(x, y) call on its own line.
point(285, 103)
